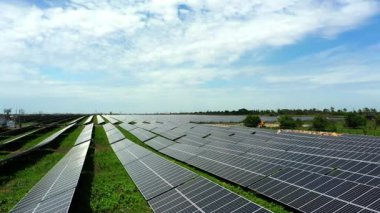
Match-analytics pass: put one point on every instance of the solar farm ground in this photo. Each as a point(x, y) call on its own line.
point(105, 180)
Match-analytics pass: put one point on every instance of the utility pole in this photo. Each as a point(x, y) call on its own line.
point(20, 113)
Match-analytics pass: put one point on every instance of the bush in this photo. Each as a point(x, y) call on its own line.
point(287, 122)
point(320, 123)
point(354, 120)
point(299, 122)
point(252, 121)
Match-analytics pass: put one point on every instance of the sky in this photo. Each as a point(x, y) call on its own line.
point(152, 56)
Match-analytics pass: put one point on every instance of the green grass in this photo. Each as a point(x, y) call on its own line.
point(13, 187)
point(250, 195)
point(25, 124)
point(369, 129)
point(112, 189)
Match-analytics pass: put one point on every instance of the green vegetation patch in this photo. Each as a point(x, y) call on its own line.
point(112, 189)
point(252, 121)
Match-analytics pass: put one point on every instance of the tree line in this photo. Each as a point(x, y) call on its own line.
point(320, 122)
point(270, 112)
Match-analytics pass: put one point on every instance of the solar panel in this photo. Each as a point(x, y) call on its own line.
point(120, 145)
point(100, 119)
point(111, 119)
point(152, 174)
point(133, 153)
point(142, 134)
point(202, 195)
point(192, 140)
point(43, 143)
point(182, 152)
point(54, 192)
point(159, 143)
point(223, 139)
point(298, 170)
point(263, 157)
point(173, 134)
point(114, 135)
point(75, 120)
point(85, 135)
point(171, 188)
point(164, 128)
point(127, 126)
point(148, 125)
point(107, 127)
point(89, 119)
point(13, 140)
point(146, 180)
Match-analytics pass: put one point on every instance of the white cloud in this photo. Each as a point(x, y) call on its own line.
point(216, 35)
point(331, 77)
point(148, 42)
point(334, 66)
point(183, 76)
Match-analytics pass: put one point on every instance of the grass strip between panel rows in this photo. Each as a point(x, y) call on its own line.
point(112, 189)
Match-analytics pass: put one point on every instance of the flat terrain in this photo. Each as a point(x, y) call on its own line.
point(105, 186)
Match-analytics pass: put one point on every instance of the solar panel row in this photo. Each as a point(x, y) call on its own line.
point(111, 119)
point(159, 143)
point(114, 135)
point(17, 138)
point(127, 126)
point(142, 134)
point(170, 188)
point(55, 191)
point(202, 195)
point(85, 135)
point(76, 120)
point(43, 143)
point(100, 119)
point(89, 120)
point(147, 125)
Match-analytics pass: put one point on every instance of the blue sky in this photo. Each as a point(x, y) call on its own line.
point(175, 56)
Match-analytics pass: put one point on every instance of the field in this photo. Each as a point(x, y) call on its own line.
point(105, 185)
point(369, 129)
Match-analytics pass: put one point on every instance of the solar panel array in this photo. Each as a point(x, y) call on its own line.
point(170, 188)
point(100, 119)
point(306, 172)
point(55, 191)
